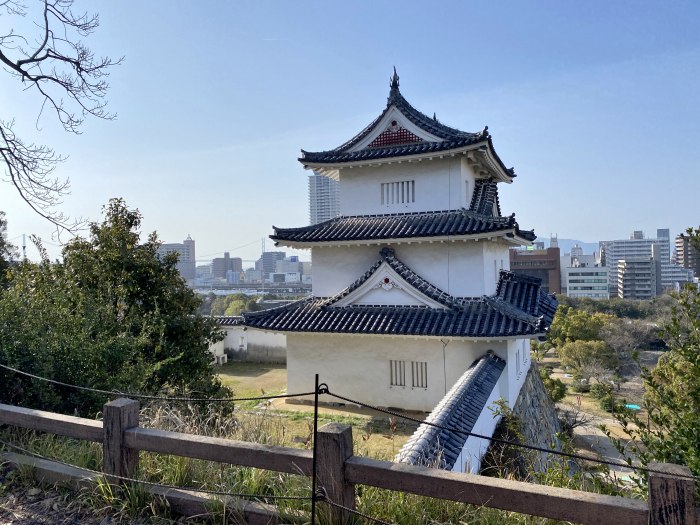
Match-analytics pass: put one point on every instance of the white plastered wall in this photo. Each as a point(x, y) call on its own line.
point(440, 184)
point(461, 268)
point(517, 365)
point(254, 345)
point(358, 366)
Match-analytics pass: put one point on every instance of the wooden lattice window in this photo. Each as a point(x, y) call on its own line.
point(419, 373)
point(396, 137)
point(402, 192)
point(397, 373)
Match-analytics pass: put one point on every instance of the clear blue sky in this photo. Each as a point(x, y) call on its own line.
point(594, 103)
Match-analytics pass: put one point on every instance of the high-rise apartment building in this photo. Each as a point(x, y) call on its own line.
point(639, 278)
point(640, 247)
point(324, 200)
point(687, 255)
point(186, 260)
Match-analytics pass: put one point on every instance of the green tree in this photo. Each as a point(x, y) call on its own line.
point(672, 390)
point(571, 324)
point(235, 307)
point(112, 315)
point(7, 251)
point(589, 359)
point(555, 388)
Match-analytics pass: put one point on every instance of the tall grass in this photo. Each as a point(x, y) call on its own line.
point(265, 427)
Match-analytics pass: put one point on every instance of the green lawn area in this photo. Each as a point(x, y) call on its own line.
point(253, 379)
point(373, 433)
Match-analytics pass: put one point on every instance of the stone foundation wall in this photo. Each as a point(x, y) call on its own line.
point(537, 416)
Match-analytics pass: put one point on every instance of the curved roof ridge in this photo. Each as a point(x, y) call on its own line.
point(415, 280)
point(429, 124)
point(510, 310)
point(354, 285)
point(458, 411)
point(412, 278)
point(412, 224)
point(420, 119)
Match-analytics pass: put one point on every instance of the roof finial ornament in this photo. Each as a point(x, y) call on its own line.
point(394, 80)
point(435, 116)
point(394, 84)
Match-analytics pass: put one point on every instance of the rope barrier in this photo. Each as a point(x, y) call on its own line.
point(323, 389)
point(153, 397)
point(501, 441)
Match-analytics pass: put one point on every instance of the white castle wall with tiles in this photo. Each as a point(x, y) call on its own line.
point(466, 268)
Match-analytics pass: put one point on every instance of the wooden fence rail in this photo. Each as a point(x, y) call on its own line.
point(671, 498)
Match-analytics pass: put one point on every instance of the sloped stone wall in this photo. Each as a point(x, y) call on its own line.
point(537, 416)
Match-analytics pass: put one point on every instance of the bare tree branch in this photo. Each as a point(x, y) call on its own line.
point(69, 79)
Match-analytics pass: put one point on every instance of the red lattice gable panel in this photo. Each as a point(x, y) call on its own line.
point(392, 138)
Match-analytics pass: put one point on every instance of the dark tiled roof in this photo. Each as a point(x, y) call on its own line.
point(229, 320)
point(519, 308)
point(417, 148)
point(402, 226)
point(484, 198)
point(451, 138)
point(459, 409)
point(423, 121)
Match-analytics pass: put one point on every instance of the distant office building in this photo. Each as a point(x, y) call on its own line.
point(687, 255)
point(583, 276)
point(233, 277)
point(268, 260)
point(288, 265)
point(253, 276)
point(543, 264)
point(221, 266)
point(186, 257)
point(324, 201)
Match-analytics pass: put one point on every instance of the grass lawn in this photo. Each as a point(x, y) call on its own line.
point(374, 434)
point(252, 379)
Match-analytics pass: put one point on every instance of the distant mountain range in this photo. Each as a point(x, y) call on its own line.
point(565, 245)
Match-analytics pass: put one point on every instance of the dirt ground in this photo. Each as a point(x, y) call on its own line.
point(589, 438)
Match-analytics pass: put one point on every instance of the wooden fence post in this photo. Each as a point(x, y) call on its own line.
point(334, 447)
point(118, 416)
point(671, 499)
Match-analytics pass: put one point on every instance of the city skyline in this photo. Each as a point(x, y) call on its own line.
point(594, 106)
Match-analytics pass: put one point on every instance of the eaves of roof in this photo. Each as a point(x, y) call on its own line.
point(520, 309)
point(418, 225)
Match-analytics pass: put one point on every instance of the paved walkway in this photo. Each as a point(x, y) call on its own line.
point(590, 436)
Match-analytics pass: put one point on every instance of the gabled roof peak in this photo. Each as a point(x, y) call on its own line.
point(403, 131)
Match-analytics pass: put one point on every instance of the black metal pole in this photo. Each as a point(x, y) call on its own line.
point(313, 463)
